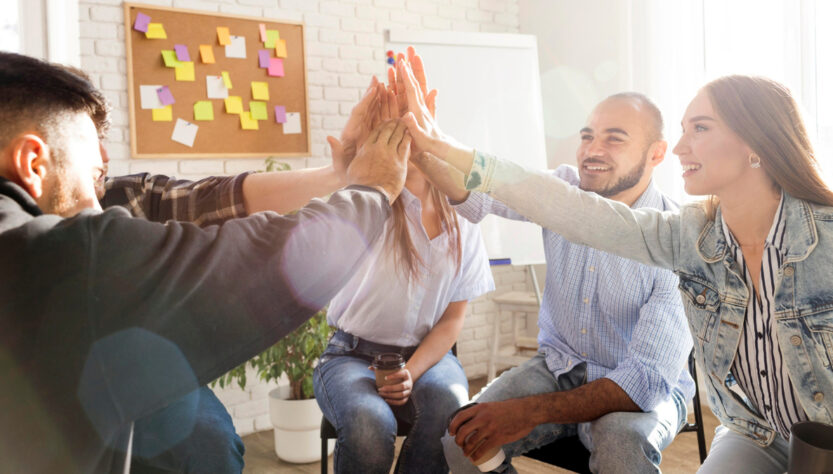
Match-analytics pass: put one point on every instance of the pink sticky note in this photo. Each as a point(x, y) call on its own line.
point(263, 55)
point(182, 52)
point(165, 95)
point(262, 33)
point(280, 114)
point(276, 67)
point(141, 23)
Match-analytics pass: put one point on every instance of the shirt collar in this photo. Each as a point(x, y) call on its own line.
point(775, 237)
point(651, 197)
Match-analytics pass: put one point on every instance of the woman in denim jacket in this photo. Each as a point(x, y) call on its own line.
point(755, 260)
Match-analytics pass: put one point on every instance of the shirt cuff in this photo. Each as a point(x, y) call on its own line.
point(482, 170)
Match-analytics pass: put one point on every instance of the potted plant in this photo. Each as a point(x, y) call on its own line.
point(294, 412)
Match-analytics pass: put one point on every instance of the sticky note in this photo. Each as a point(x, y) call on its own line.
point(247, 122)
point(262, 32)
point(185, 132)
point(223, 36)
point(215, 88)
point(272, 37)
point(169, 56)
point(237, 48)
point(155, 31)
point(260, 90)
point(226, 79)
point(276, 67)
point(280, 48)
point(165, 96)
point(293, 123)
point(207, 54)
point(141, 23)
point(258, 110)
point(165, 114)
point(185, 71)
point(203, 110)
point(263, 58)
point(149, 97)
point(234, 104)
point(280, 113)
point(182, 52)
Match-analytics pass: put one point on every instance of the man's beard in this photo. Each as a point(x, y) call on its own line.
point(623, 183)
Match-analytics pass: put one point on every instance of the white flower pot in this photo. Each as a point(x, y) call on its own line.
point(297, 427)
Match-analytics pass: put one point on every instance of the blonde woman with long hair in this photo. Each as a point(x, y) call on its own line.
point(755, 259)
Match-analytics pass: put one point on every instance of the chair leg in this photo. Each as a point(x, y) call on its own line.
point(324, 458)
point(698, 411)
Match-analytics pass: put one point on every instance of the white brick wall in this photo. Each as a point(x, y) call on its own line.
point(344, 45)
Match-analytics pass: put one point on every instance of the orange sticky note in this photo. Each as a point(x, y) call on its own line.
point(234, 104)
point(262, 32)
point(207, 54)
point(165, 114)
point(223, 35)
point(280, 48)
point(247, 122)
point(184, 71)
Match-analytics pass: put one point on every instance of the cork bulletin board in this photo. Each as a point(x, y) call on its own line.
point(203, 84)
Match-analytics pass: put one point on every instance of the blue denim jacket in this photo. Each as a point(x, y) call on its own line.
point(711, 282)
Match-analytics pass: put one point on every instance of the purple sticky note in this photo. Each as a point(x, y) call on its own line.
point(141, 23)
point(182, 52)
point(165, 95)
point(263, 55)
point(276, 67)
point(280, 114)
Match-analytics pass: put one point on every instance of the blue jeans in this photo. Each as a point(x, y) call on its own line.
point(193, 434)
point(345, 389)
point(619, 442)
point(738, 454)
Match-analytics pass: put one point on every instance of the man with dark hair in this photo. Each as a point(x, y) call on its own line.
point(611, 364)
point(106, 319)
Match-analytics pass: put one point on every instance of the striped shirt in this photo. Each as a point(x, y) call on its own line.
point(759, 367)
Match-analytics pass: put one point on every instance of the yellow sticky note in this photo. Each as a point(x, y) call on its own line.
point(165, 114)
point(247, 122)
point(207, 54)
point(234, 104)
point(260, 91)
point(203, 110)
point(223, 35)
point(280, 48)
point(272, 37)
point(258, 110)
point(226, 79)
point(156, 31)
point(169, 57)
point(185, 71)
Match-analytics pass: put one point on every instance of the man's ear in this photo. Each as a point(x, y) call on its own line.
point(656, 152)
point(29, 163)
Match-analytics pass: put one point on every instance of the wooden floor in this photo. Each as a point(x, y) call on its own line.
point(679, 458)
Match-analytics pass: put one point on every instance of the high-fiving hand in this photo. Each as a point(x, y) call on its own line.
point(382, 161)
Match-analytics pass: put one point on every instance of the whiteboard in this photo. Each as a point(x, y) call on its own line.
point(490, 99)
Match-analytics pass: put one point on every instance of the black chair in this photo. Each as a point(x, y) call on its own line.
point(570, 453)
point(328, 431)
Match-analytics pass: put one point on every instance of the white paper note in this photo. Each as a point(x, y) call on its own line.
point(215, 87)
point(293, 123)
point(237, 48)
point(185, 132)
point(149, 97)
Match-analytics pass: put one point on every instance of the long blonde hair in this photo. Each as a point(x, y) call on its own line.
point(763, 113)
point(399, 240)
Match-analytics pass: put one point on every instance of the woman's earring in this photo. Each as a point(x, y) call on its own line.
point(754, 161)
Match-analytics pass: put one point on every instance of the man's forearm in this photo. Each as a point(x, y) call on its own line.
point(585, 403)
point(286, 191)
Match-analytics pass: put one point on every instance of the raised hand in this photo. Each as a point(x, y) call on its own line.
point(396, 83)
point(364, 117)
point(443, 176)
point(382, 161)
point(427, 135)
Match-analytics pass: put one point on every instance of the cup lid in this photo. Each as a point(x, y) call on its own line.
point(388, 360)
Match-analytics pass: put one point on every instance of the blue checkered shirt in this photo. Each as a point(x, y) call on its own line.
point(624, 319)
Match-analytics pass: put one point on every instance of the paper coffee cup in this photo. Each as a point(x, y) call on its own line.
point(493, 463)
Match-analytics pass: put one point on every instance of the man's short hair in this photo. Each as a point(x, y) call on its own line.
point(656, 126)
point(39, 96)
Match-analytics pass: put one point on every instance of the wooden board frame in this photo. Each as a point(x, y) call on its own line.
point(254, 144)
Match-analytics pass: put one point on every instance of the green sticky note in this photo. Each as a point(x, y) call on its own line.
point(203, 110)
point(260, 90)
point(185, 71)
point(247, 122)
point(165, 114)
point(258, 110)
point(234, 104)
point(169, 56)
point(272, 37)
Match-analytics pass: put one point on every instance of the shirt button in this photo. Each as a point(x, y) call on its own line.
point(583, 330)
point(586, 300)
point(763, 373)
point(789, 271)
point(795, 340)
point(700, 299)
point(818, 396)
point(767, 408)
point(592, 269)
point(760, 335)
